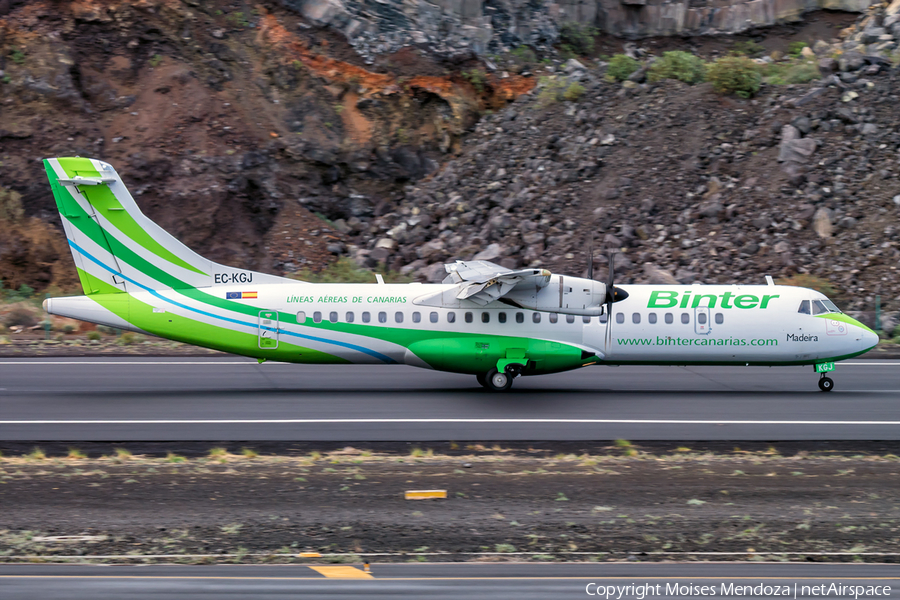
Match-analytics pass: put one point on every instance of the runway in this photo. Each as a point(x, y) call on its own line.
point(160, 399)
point(236, 399)
point(440, 581)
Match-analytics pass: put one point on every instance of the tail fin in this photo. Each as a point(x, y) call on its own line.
point(118, 249)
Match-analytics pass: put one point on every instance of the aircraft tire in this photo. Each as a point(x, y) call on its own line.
point(826, 384)
point(497, 381)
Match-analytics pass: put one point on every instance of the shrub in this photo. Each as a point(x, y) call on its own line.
point(736, 75)
point(796, 48)
point(94, 336)
point(551, 91)
point(574, 92)
point(523, 55)
point(476, 77)
point(68, 328)
point(679, 65)
point(781, 74)
point(155, 60)
point(749, 48)
point(126, 339)
point(621, 66)
point(577, 38)
point(20, 315)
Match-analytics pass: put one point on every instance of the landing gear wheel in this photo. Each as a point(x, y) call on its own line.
point(826, 384)
point(482, 379)
point(497, 381)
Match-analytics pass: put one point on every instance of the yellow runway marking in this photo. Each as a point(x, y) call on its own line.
point(362, 575)
point(343, 572)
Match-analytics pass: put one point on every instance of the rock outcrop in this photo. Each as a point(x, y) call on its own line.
point(456, 26)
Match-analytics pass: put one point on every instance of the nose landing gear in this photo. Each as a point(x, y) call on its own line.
point(826, 384)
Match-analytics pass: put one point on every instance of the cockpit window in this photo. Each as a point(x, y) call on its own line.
point(820, 307)
point(830, 306)
point(804, 308)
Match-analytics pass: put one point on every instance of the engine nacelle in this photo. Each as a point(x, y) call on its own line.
point(566, 295)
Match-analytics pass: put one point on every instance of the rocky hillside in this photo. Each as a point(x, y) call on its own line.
point(267, 142)
point(232, 123)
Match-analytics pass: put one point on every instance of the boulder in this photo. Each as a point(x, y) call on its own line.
point(796, 150)
point(822, 223)
point(657, 276)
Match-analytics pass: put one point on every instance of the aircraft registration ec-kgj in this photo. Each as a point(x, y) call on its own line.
point(483, 319)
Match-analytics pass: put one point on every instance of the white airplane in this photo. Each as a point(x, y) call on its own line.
point(483, 319)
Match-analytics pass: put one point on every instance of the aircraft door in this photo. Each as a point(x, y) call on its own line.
point(268, 329)
point(701, 320)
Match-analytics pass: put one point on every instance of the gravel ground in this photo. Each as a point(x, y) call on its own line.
point(608, 502)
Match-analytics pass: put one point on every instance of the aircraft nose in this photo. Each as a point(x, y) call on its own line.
point(870, 339)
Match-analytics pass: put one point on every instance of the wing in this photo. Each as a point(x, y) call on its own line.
point(483, 282)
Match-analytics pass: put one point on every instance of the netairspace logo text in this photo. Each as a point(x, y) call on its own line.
point(659, 590)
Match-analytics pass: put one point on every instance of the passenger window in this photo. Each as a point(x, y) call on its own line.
point(301, 317)
point(382, 317)
point(332, 316)
point(804, 308)
point(701, 318)
point(366, 317)
point(685, 318)
point(570, 318)
point(536, 317)
point(520, 317)
point(501, 317)
point(485, 317)
point(350, 317)
point(651, 318)
point(720, 318)
point(620, 317)
point(468, 317)
point(585, 319)
point(669, 319)
point(398, 317)
point(604, 318)
point(451, 317)
point(417, 317)
point(433, 317)
point(317, 317)
point(819, 307)
point(554, 317)
point(636, 318)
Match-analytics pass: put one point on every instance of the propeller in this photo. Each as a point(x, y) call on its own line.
point(613, 294)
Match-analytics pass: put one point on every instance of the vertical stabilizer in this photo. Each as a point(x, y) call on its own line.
point(116, 247)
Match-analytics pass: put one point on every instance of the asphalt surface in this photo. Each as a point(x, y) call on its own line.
point(440, 581)
point(160, 399)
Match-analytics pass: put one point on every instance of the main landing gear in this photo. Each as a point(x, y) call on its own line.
point(499, 381)
point(826, 384)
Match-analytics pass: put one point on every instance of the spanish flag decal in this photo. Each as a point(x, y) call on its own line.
point(239, 295)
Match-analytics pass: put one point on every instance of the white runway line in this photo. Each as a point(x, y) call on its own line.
point(426, 421)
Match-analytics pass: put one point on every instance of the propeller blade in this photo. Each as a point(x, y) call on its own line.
point(610, 293)
point(591, 257)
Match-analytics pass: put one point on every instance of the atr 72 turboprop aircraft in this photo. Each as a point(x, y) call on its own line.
point(483, 319)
